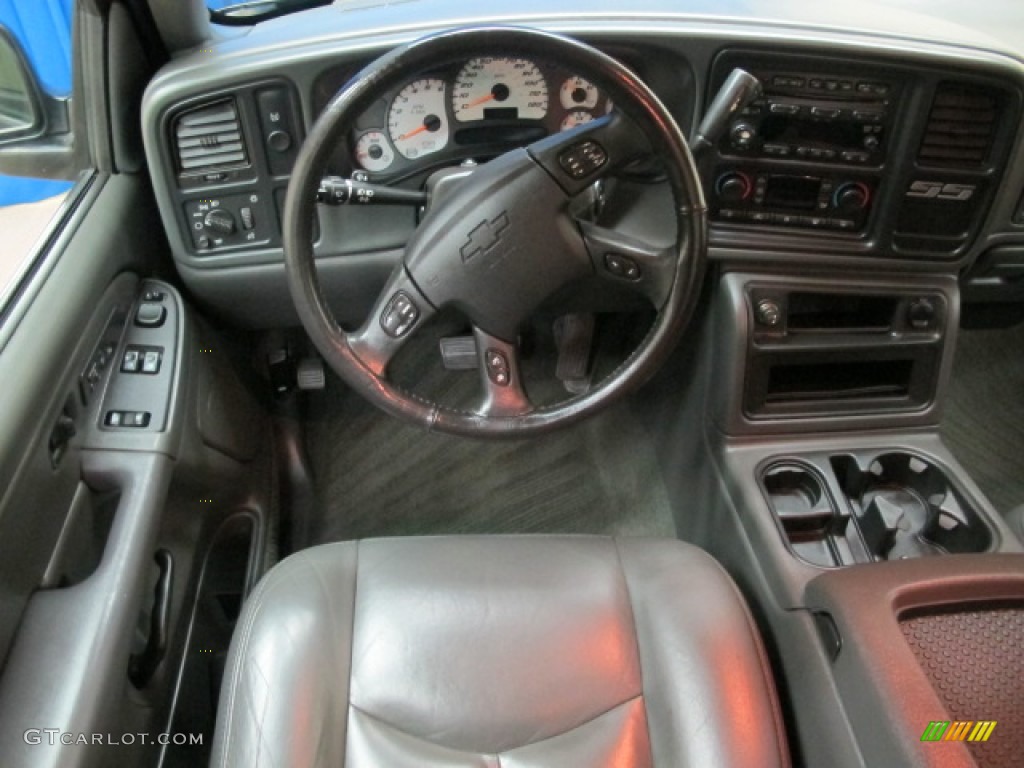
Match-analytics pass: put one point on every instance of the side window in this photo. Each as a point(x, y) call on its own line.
point(41, 29)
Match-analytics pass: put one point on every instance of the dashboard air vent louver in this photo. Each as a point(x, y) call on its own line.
point(960, 127)
point(210, 137)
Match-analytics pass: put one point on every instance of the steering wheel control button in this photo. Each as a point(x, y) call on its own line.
point(399, 316)
point(498, 369)
point(150, 314)
point(583, 159)
point(622, 266)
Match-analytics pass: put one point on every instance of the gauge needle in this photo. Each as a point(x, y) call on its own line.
point(481, 100)
point(413, 132)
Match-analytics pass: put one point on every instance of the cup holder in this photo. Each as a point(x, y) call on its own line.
point(841, 509)
point(811, 522)
point(906, 507)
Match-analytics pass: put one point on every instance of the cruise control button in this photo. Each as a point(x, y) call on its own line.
point(399, 316)
point(621, 266)
point(497, 367)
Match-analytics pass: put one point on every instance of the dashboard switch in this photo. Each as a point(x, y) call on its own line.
point(247, 219)
point(277, 125)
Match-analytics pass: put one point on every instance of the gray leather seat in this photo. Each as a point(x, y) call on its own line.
point(498, 651)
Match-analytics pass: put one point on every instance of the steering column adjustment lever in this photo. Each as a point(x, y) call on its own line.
point(335, 190)
point(738, 90)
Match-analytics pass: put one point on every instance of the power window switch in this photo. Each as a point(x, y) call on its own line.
point(115, 419)
point(137, 419)
point(131, 361)
point(151, 362)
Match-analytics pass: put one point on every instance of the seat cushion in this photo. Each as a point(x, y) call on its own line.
point(486, 651)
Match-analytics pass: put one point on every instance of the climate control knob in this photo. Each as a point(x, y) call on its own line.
point(850, 197)
point(733, 186)
point(220, 221)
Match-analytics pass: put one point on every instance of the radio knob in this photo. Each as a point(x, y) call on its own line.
point(733, 186)
point(851, 197)
point(742, 135)
point(872, 142)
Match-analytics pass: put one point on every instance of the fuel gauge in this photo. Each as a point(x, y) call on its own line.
point(373, 152)
point(574, 118)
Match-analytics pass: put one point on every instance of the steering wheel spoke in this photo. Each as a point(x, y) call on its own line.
point(578, 158)
point(399, 311)
point(632, 262)
point(500, 375)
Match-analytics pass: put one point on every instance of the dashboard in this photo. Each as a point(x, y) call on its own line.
point(864, 152)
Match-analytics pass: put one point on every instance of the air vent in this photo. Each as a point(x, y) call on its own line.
point(960, 127)
point(210, 137)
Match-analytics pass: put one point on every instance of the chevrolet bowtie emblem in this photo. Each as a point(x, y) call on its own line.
point(484, 236)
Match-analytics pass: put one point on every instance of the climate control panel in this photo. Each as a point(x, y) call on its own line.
point(755, 196)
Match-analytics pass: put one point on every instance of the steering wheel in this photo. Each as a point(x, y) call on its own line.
point(505, 240)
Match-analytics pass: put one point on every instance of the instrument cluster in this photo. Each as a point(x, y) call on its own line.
point(475, 109)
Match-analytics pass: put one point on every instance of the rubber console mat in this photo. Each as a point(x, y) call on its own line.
point(378, 477)
point(984, 419)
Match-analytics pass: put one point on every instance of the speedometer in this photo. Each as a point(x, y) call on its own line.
point(417, 122)
point(499, 88)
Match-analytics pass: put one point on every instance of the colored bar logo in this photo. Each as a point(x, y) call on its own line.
point(958, 730)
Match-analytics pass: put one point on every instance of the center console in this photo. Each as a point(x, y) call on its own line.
point(868, 552)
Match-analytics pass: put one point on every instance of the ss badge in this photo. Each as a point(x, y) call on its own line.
point(940, 191)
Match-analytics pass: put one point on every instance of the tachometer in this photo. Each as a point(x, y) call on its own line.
point(373, 152)
point(577, 93)
point(499, 87)
point(417, 123)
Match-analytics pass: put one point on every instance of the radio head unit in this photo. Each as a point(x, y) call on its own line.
point(810, 117)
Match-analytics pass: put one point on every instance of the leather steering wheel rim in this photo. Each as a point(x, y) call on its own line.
point(346, 353)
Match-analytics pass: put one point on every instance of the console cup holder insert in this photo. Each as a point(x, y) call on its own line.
point(816, 530)
point(905, 506)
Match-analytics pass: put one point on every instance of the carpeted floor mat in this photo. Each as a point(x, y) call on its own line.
point(984, 419)
point(378, 477)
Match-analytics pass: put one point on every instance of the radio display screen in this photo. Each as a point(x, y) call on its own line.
point(791, 130)
point(792, 192)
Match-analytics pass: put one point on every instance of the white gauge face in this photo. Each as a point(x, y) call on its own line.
point(577, 93)
point(417, 121)
point(574, 118)
point(499, 88)
point(373, 152)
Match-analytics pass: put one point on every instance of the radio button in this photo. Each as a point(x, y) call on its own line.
point(873, 89)
point(780, 108)
point(761, 217)
point(855, 156)
point(778, 150)
point(867, 116)
point(825, 113)
point(816, 83)
point(844, 224)
point(831, 85)
point(742, 135)
point(845, 86)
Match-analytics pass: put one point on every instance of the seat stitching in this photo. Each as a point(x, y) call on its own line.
point(762, 654)
point(404, 732)
point(636, 639)
point(352, 645)
point(233, 682)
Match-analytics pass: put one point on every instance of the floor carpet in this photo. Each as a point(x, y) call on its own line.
point(379, 477)
point(984, 419)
